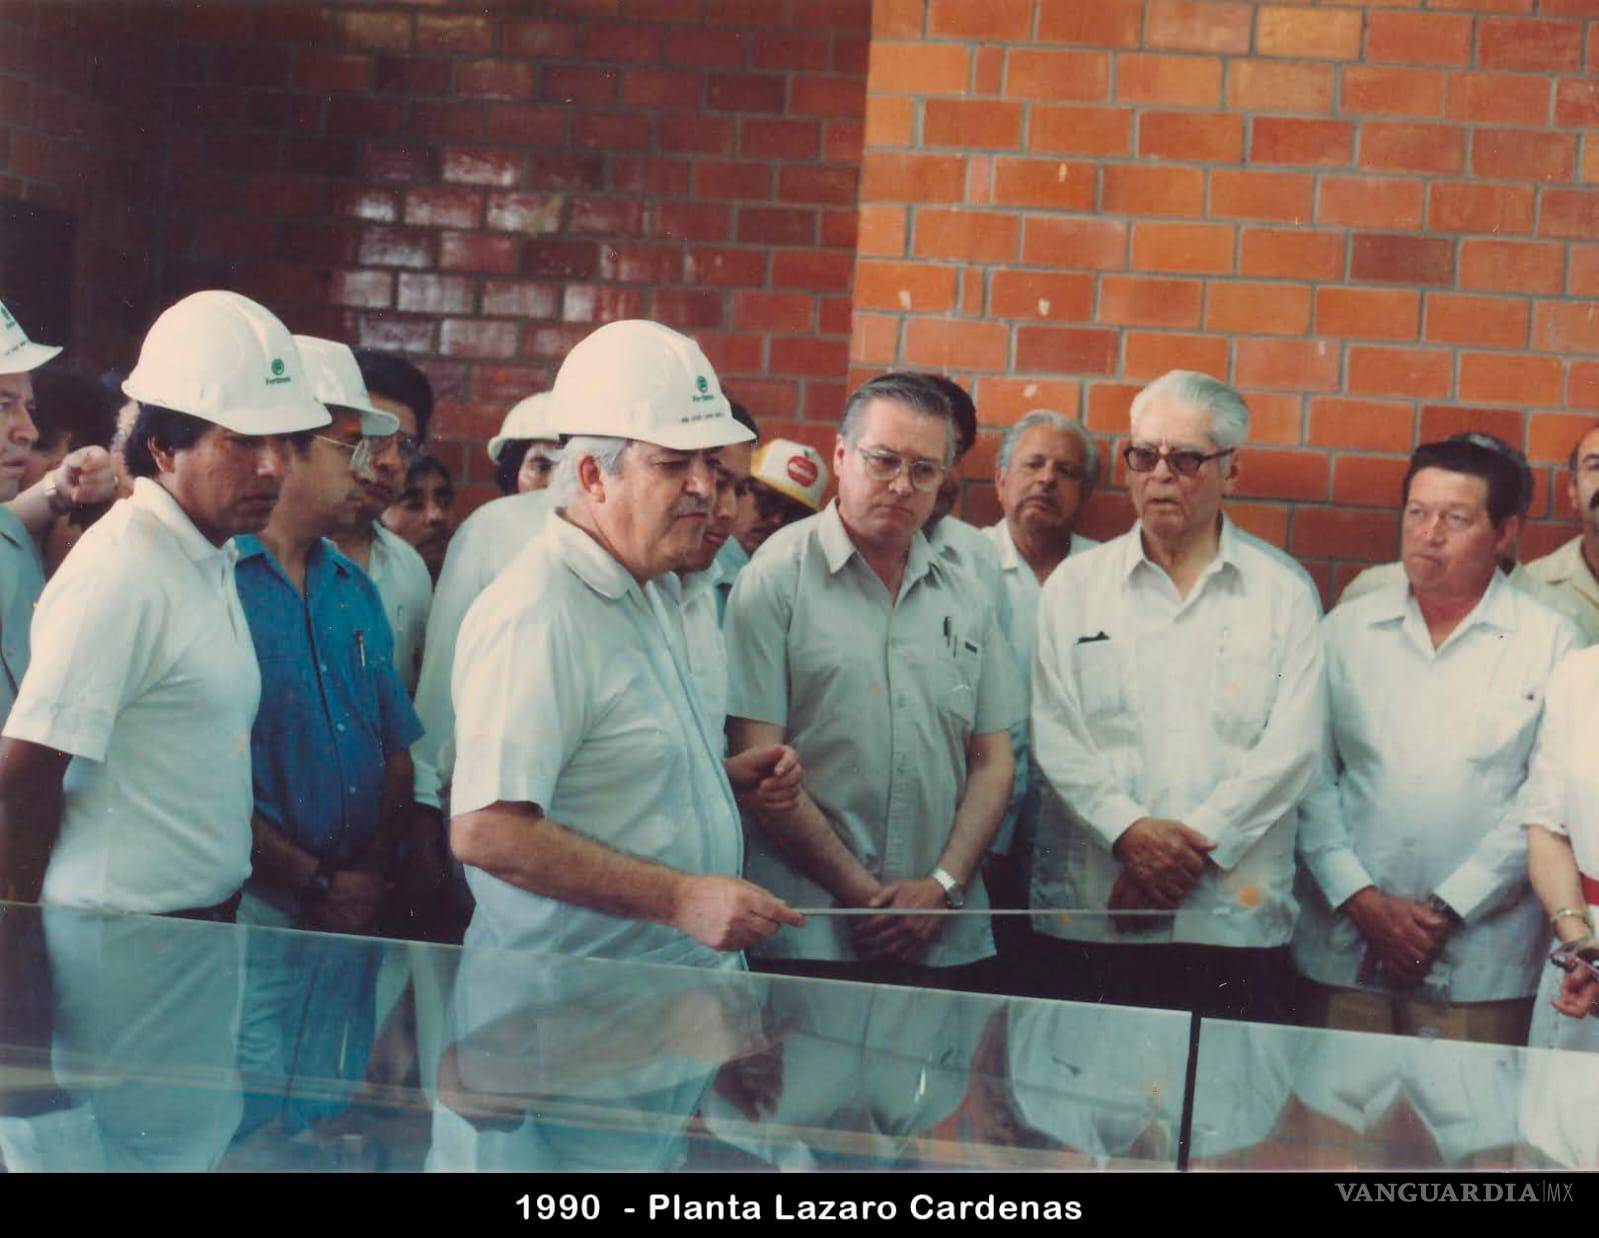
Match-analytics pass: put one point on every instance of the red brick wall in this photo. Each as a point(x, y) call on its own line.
point(479, 189)
point(1375, 220)
point(81, 104)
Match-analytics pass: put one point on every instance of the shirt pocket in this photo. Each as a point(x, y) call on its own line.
point(1101, 682)
point(957, 667)
point(1504, 729)
point(1247, 666)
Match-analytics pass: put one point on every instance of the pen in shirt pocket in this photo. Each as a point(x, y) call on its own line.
point(360, 647)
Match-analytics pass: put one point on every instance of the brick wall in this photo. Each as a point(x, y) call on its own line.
point(479, 189)
point(1375, 220)
point(81, 99)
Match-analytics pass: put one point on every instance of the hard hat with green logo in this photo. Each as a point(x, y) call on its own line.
point(19, 354)
point(223, 358)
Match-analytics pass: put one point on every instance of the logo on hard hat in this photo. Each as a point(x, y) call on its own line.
point(702, 390)
point(802, 471)
point(278, 374)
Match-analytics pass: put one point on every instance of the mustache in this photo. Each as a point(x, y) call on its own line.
point(692, 507)
point(1593, 503)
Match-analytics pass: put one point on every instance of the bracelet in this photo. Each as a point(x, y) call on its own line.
point(1580, 913)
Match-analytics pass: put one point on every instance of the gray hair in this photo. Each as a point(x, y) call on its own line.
point(914, 391)
point(1056, 421)
point(607, 453)
point(1229, 416)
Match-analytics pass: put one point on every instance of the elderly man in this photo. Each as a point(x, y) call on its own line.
point(886, 667)
point(592, 805)
point(1574, 568)
point(1418, 916)
point(525, 451)
point(1177, 714)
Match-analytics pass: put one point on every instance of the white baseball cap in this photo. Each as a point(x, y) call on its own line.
point(19, 354)
point(336, 380)
point(639, 380)
point(529, 418)
point(222, 358)
point(792, 469)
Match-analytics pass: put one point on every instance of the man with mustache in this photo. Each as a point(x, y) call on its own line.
point(1574, 568)
point(903, 724)
point(592, 805)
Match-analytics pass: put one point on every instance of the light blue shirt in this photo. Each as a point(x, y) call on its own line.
point(21, 583)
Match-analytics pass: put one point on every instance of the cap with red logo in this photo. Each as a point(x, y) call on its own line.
point(792, 469)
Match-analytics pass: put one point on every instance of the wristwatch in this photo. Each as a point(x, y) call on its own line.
point(1444, 909)
point(321, 882)
point(52, 495)
point(954, 893)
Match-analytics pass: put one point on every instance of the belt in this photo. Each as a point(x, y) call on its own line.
point(1590, 889)
point(225, 912)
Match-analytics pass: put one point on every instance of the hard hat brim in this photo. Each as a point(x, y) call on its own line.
point(277, 418)
point(29, 357)
point(699, 435)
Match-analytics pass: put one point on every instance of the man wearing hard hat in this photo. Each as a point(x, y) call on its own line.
point(591, 802)
point(525, 452)
point(125, 767)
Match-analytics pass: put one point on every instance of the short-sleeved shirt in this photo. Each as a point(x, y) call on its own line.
point(404, 584)
point(880, 697)
point(21, 582)
point(707, 651)
point(144, 671)
point(1566, 571)
point(333, 710)
point(481, 549)
point(572, 692)
point(730, 561)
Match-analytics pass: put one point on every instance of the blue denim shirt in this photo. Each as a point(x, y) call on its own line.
point(333, 708)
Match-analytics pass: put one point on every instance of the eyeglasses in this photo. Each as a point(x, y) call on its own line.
point(887, 465)
point(360, 453)
point(1183, 463)
point(539, 466)
point(410, 445)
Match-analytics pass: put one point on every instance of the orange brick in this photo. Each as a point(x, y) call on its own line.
point(920, 287)
point(1497, 378)
point(972, 124)
point(1066, 350)
point(1147, 355)
point(1314, 34)
point(1517, 154)
point(1313, 143)
point(912, 177)
point(1197, 249)
point(1582, 279)
point(1282, 475)
point(898, 19)
point(1001, 21)
point(1503, 98)
point(1275, 417)
point(1566, 326)
point(953, 344)
point(1193, 137)
point(1273, 86)
point(918, 69)
point(1130, 189)
point(1104, 23)
point(1368, 481)
point(1576, 103)
point(1551, 436)
point(881, 231)
point(1186, 26)
point(1267, 521)
point(890, 121)
point(972, 290)
point(989, 75)
point(1420, 372)
point(1344, 533)
point(1373, 91)
point(1089, 244)
point(1588, 169)
point(1571, 213)
point(1291, 253)
point(1291, 365)
point(1440, 421)
point(1108, 406)
point(1393, 147)
point(1511, 266)
point(1044, 182)
point(1362, 425)
point(1031, 73)
point(969, 236)
point(1418, 38)
point(1081, 130)
point(1368, 313)
point(1473, 206)
point(1522, 43)
point(1370, 202)
point(874, 338)
point(1258, 309)
point(1488, 322)
point(1286, 197)
point(1049, 295)
point(1582, 384)
point(1182, 81)
point(1136, 302)
point(1005, 401)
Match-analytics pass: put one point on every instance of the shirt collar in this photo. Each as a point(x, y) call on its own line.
point(1133, 554)
point(323, 557)
point(836, 545)
point(697, 583)
point(13, 530)
point(1496, 608)
point(590, 561)
point(150, 497)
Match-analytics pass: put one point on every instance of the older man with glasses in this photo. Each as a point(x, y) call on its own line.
point(886, 667)
point(1177, 718)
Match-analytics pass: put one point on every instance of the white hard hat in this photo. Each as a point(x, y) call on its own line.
point(639, 380)
point(792, 469)
point(336, 380)
point(529, 418)
point(224, 359)
point(19, 354)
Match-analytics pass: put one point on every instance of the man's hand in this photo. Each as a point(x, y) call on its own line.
point(350, 905)
point(728, 913)
point(1165, 857)
point(85, 476)
point(1406, 935)
point(903, 939)
point(766, 778)
point(1128, 895)
point(1579, 991)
